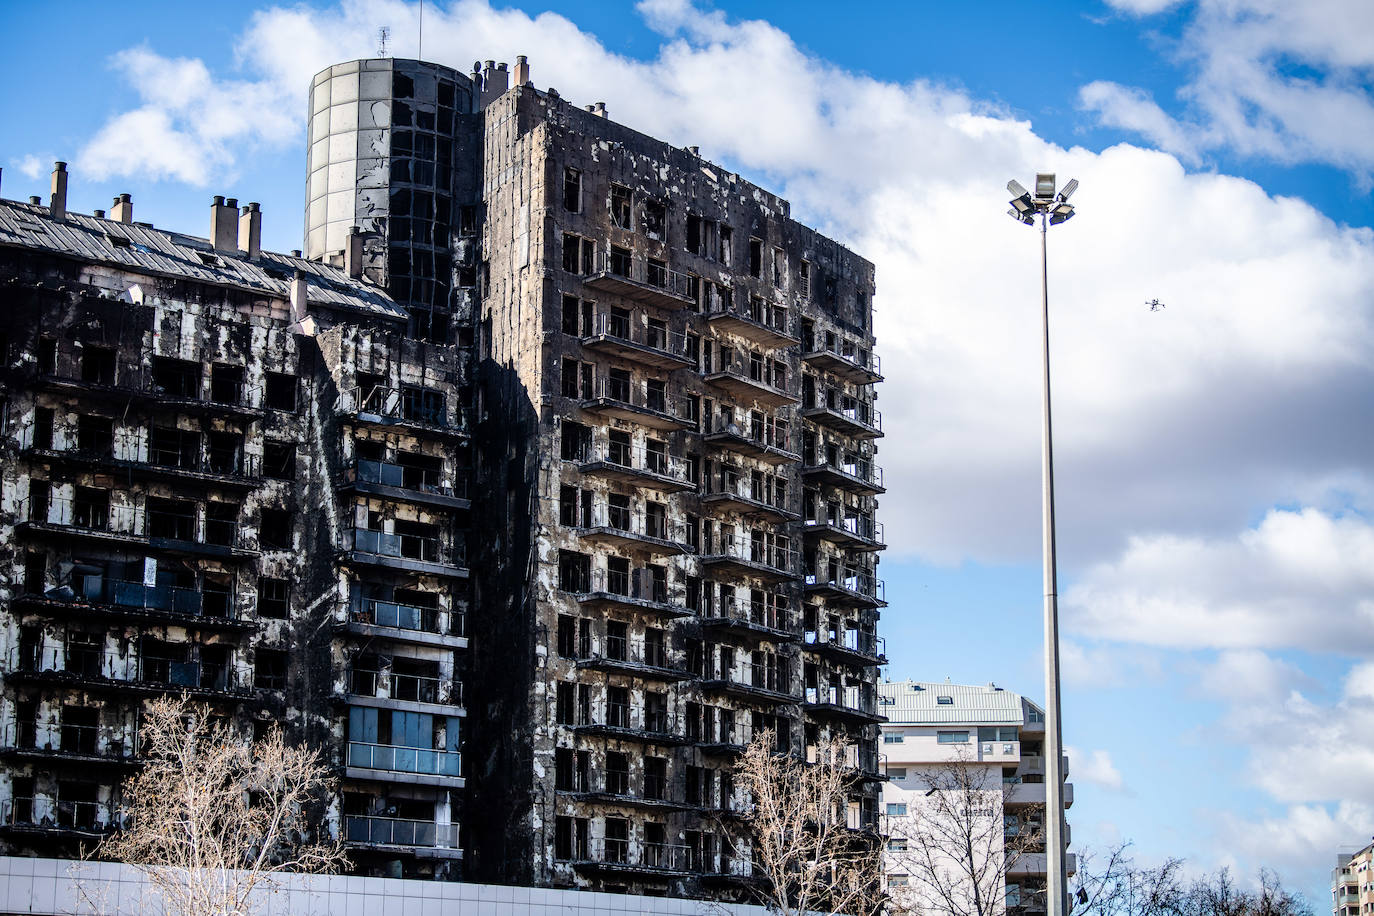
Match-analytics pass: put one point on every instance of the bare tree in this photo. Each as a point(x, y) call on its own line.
point(810, 857)
point(956, 844)
point(1113, 885)
point(210, 817)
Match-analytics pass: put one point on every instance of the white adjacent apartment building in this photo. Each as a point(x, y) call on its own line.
point(965, 798)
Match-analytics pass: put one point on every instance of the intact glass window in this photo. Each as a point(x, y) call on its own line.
point(960, 737)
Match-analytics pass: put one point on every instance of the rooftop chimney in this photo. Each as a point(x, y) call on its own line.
point(223, 236)
point(35, 199)
point(353, 254)
point(495, 81)
point(250, 230)
point(122, 209)
point(601, 109)
point(300, 311)
point(57, 205)
point(98, 214)
point(522, 70)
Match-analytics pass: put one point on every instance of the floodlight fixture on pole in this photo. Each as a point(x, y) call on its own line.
point(1052, 208)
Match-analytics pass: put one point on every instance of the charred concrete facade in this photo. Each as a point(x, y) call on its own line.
point(231, 473)
point(557, 388)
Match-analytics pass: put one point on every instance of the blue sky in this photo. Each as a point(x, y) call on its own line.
point(1217, 559)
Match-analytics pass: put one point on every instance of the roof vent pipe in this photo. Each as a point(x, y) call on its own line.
point(122, 209)
point(57, 204)
point(98, 214)
point(250, 230)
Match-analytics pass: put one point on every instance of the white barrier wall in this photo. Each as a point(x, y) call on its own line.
point(48, 887)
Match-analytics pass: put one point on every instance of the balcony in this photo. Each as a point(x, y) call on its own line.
point(164, 386)
point(849, 416)
point(410, 765)
point(634, 402)
point(239, 472)
point(854, 704)
point(398, 690)
point(767, 683)
point(857, 532)
point(761, 621)
point(425, 839)
point(408, 484)
point(100, 521)
point(620, 527)
point(848, 586)
point(846, 360)
point(1034, 764)
point(1019, 793)
point(646, 662)
point(74, 745)
point(852, 476)
point(634, 592)
point(619, 857)
point(749, 379)
point(628, 339)
point(767, 562)
point(740, 494)
point(764, 323)
point(98, 597)
point(377, 619)
point(405, 552)
point(92, 668)
point(644, 281)
point(850, 647)
point(654, 727)
point(57, 818)
point(1032, 864)
point(638, 466)
point(766, 441)
point(421, 411)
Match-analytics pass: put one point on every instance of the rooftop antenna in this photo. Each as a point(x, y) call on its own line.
point(383, 36)
point(421, 54)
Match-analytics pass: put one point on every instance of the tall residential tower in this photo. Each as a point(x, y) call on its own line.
point(541, 483)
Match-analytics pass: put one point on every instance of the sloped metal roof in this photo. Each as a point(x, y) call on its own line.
point(917, 703)
point(157, 252)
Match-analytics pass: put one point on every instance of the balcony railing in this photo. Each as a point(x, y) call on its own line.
point(849, 640)
point(846, 358)
point(616, 458)
point(621, 853)
point(399, 404)
point(397, 759)
point(170, 598)
point(771, 678)
point(622, 654)
point(406, 477)
point(852, 581)
point(395, 831)
point(862, 473)
point(56, 814)
point(727, 608)
point(847, 527)
point(89, 663)
point(756, 319)
point(645, 280)
point(395, 615)
point(848, 414)
point(419, 688)
point(753, 378)
point(427, 549)
point(743, 491)
point(859, 700)
point(621, 524)
point(634, 400)
point(767, 437)
point(773, 559)
point(65, 738)
point(628, 337)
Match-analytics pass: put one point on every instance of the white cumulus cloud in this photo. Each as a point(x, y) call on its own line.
point(1094, 767)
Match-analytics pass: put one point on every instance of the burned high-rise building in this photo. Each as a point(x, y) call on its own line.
point(536, 487)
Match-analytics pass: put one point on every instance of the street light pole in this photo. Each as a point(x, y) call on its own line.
point(1052, 209)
